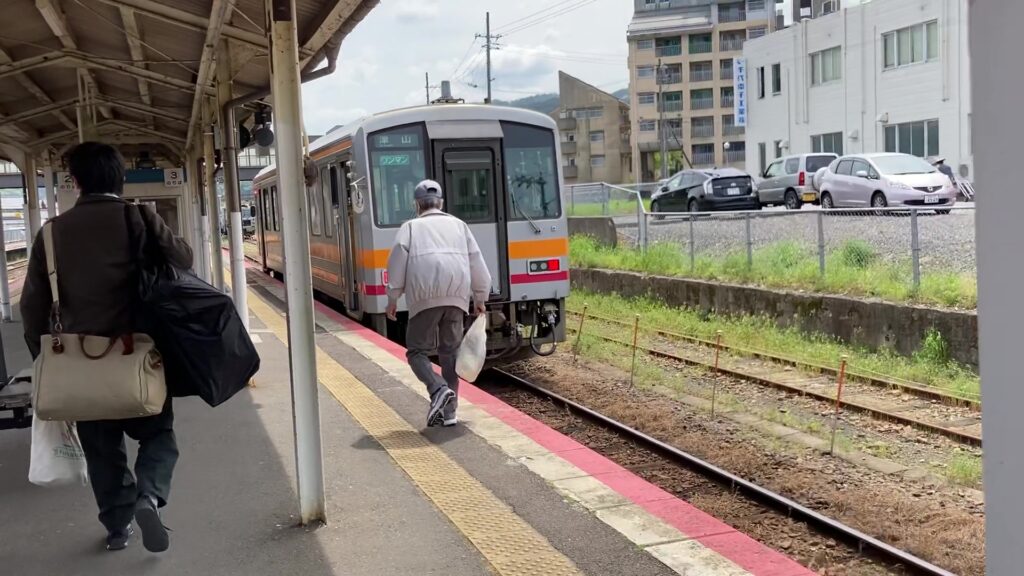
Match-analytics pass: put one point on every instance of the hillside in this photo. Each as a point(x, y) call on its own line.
point(547, 103)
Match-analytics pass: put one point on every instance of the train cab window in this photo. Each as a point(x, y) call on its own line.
point(325, 201)
point(316, 208)
point(531, 172)
point(470, 183)
point(397, 163)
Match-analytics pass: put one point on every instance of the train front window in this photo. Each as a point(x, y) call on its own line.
point(531, 172)
point(470, 183)
point(397, 164)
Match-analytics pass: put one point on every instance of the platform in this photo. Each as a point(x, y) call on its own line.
point(499, 494)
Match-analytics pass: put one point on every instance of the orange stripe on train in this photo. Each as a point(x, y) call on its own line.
point(538, 248)
point(375, 258)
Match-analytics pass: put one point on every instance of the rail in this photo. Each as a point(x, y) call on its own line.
point(754, 491)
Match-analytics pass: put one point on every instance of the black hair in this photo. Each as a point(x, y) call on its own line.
point(97, 168)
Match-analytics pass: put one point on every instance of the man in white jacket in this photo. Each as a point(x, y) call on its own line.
point(437, 265)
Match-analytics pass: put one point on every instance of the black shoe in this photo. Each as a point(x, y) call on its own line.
point(437, 405)
point(154, 533)
point(118, 540)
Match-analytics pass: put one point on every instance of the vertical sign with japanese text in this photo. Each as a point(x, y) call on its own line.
point(739, 74)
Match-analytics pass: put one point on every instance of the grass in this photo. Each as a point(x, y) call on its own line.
point(616, 207)
point(854, 268)
point(964, 470)
point(927, 367)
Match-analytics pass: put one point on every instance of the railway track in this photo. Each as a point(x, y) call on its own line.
point(961, 436)
point(781, 505)
point(915, 388)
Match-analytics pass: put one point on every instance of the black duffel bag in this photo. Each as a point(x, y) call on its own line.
point(205, 347)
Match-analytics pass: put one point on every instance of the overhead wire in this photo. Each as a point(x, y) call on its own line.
point(532, 15)
point(547, 17)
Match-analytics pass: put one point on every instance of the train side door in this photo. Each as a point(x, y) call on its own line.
point(261, 221)
point(346, 228)
point(474, 192)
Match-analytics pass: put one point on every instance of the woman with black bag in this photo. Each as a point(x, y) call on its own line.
point(97, 256)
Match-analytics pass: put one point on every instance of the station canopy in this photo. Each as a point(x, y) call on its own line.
point(134, 73)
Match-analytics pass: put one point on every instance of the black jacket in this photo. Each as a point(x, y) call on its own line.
point(96, 262)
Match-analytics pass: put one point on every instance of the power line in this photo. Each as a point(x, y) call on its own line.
point(469, 50)
point(528, 16)
point(548, 17)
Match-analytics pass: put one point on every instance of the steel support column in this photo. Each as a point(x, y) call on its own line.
point(287, 94)
point(232, 191)
point(212, 224)
point(995, 47)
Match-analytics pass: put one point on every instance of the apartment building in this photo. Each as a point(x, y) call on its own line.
point(594, 130)
point(689, 100)
point(882, 76)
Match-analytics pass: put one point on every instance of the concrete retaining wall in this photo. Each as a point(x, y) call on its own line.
point(870, 323)
point(601, 228)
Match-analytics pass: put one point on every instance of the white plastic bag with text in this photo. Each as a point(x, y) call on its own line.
point(57, 457)
point(473, 351)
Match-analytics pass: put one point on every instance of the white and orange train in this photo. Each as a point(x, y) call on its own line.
point(501, 174)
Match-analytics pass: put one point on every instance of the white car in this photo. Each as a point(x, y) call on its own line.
point(884, 180)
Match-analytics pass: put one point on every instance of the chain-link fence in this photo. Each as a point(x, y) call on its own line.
point(892, 253)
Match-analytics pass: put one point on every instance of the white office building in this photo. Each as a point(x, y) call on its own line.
point(886, 75)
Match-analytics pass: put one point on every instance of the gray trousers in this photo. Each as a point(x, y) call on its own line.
point(436, 329)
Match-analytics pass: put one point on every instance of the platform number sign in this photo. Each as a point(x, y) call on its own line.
point(65, 184)
point(174, 177)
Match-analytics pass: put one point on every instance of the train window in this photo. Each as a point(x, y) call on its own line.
point(531, 172)
point(325, 201)
point(273, 207)
point(397, 163)
point(470, 182)
point(316, 208)
point(335, 175)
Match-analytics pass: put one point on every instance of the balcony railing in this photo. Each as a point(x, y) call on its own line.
point(702, 130)
point(735, 156)
point(732, 44)
point(702, 75)
point(728, 101)
point(726, 16)
point(700, 47)
point(671, 106)
point(668, 51)
point(568, 147)
point(733, 130)
point(671, 78)
point(725, 72)
point(703, 158)
point(673, 134)
point(570, 171)
point(566, 124)
point(705, 103)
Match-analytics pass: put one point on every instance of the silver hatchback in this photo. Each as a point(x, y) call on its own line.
point(882, 180)
point(787, 180)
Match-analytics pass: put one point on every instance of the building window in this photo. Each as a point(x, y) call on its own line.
point(762, 157)
point(826, 66)
point(728, 97)
point(755, 5)
point(702, 99)
point(760, 82)
point(671, 74)
point(597, 161)
point(703, 154)
point(597, 136)
point(729, 127)
point(911, 45)
point(699, 43)
point(671, 102)
point(776, 79)
point(735, 12)
point(737, 152)
point(725, 69)
point(645, 71)
point(588, 113)
point(778, 148)
point(701, 72)
point(756, 32)
point(648, 126)
point(656, 4)
point(828, 143)
point(917, 138)
point(667, 47)
point(646, 98)
point(645, 44)
point(702, 127)
point(731, 41)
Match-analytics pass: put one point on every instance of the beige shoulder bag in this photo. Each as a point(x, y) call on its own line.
point(79, 377)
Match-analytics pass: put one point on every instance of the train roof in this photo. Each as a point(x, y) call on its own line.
point(431, 113)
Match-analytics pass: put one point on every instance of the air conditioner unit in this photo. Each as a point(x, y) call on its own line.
point(829, 6)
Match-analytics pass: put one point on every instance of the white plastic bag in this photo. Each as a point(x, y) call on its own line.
point(473, 350)
point(57, 456)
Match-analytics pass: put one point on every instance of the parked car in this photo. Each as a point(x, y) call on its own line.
point(706, 190)
point(787, 180)
point(881, 180)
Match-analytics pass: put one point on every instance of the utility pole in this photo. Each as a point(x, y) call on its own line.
point(662, 136)
point(427, 86)
point(489, 39)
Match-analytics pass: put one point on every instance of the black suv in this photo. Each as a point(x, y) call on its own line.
point(706, 190)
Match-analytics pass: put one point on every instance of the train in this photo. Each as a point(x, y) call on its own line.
point(501, 174)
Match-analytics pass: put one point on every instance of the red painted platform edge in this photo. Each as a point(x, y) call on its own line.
point(711, 532)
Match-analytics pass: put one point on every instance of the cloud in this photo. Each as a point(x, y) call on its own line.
point(413, 11)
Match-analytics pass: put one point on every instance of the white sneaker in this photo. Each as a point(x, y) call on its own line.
point(451, 421)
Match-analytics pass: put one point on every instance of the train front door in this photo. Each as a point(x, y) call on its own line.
point(470, 172)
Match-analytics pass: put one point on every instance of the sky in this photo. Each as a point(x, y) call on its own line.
point(383, 61)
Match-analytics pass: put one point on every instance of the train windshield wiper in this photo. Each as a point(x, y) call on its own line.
point(515, 206)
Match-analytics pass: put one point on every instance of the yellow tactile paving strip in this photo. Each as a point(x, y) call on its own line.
point(505, 540)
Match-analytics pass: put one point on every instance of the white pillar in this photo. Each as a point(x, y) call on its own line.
point(51, 193)
point(298, 280)
point(31, 200)
point(232, 192)
point(202, 243)
point(5, 288)
point(996, 45)
point(212, 203)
